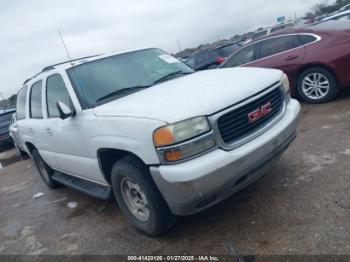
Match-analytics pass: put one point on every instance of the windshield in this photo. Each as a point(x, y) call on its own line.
point(109, 78)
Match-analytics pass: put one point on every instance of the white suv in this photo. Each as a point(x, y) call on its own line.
point(145, 128)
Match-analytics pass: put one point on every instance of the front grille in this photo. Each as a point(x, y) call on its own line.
point(235, 125)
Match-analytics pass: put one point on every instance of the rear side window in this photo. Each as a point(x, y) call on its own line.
point(306, 39)
point(242, 57)
point(36, 110)
point(56, 91)
point(277, 45)
point(21, 103)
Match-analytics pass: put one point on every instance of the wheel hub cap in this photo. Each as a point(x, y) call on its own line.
point(315, 86)
point(135, 199)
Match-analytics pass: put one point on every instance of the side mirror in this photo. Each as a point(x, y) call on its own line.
point(64, 110)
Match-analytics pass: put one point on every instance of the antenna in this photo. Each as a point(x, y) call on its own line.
point(70, 60)
point(65, 47)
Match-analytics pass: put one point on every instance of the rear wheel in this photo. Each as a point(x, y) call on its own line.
point(44, 170)
point(317, 85)
point(138, 197)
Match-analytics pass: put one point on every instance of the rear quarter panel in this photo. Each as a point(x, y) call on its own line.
point(332, 52)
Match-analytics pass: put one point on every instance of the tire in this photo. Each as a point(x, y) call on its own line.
point(44, 170)
point(132, 182)
point(317, 85)
point(22, 154)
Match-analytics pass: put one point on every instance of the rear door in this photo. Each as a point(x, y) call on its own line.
point(283, 52)
point(15, 134)
point(21, 109)
point(36, 122)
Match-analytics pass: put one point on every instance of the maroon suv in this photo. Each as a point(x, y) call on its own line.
point(317, 62)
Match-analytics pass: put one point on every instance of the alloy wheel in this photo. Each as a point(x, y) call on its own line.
point(315, 86)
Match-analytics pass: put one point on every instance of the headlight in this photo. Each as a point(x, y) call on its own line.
point(183, 140)
point(180, 131)
point(286, 86)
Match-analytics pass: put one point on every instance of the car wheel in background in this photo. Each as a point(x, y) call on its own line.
point(138, 197)
point(317, 85)
point(44, 170)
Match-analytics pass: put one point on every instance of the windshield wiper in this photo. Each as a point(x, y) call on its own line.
point(175, 73)
point(122, 92)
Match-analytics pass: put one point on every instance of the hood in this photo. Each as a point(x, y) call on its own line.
point(197, 94)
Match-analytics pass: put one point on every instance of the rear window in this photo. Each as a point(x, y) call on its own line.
point(21, 103)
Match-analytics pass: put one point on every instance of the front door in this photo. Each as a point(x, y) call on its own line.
point(67, 137)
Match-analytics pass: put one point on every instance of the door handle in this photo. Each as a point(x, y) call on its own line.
point(291, 57)
point(30, 131)
point(49, 131)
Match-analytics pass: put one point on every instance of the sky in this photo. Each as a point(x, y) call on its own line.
point(29, 39)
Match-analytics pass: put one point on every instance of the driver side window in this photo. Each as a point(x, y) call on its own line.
point(244, 56)
point(56, 91)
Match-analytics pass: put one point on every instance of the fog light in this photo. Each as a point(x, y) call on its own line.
point(187, 150)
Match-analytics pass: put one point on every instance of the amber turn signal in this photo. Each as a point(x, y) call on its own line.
point(163, 137)
point(173, 156)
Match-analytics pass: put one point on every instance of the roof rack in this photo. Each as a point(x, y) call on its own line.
point(51, 67)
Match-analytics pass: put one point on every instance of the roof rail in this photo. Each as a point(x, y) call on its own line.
point(51, 67)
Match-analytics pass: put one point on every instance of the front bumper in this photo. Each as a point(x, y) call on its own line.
point(195, 185)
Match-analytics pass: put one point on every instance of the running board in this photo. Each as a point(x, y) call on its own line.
point(84, 186)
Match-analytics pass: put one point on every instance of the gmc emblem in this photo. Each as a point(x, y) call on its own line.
point(259, 113)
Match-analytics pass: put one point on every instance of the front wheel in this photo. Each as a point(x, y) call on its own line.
point(317, 85)
point(138, 197)
point(44, 170)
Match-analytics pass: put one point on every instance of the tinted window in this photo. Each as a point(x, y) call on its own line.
point(243, 56)
point(226, 51)
point(56, 91)
point(200, 59)
point(35, 101)
point(259, 34)
point(5, 117)
point(21, 103)
point(306, 39)
point(278, 45)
